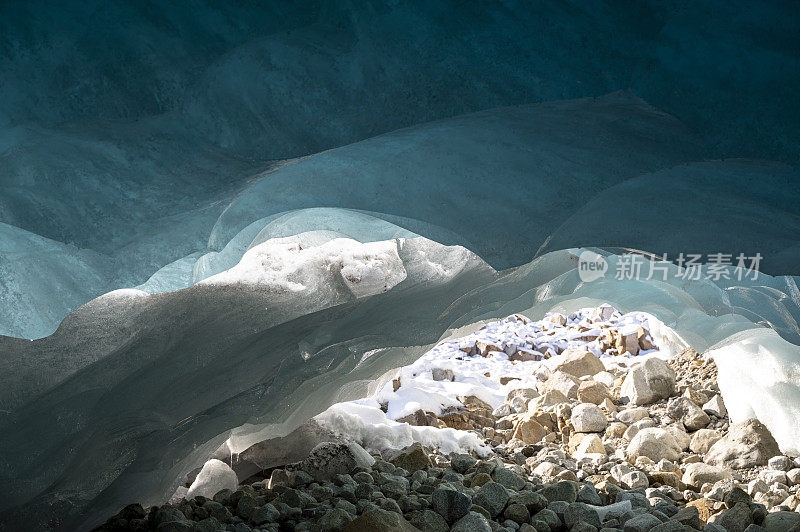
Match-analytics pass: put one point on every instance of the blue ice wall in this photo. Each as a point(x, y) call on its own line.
point(279, 79)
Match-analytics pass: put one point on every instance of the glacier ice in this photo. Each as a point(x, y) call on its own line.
point(213, 477)
point(149, 169)
point(157, 382)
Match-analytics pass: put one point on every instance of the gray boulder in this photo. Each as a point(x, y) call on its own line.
point(747, 444)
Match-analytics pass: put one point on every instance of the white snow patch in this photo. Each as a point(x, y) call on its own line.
point(295, 264)
point(216, 475)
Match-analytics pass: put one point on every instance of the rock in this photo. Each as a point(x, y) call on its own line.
point(716, 407)
point(654, 443)
point(450, 504)
point(703, 439)
point(590, 444)
point(411, 458)
point(676, 430)
point(491, 496)
point(668, 478)
point(440, 374)
point(533, 501)
point(669, 526)
point(649, 382)
point(632, 415)
point(634, 479)
point(564, 383)
point(705, 508)
point(329, 459)
point(507, 478)
point(378, 520)
point(549, 398)
point(747, 444)
point(698, 398)
point(480, 479)
point(472, 522)
point(641, 523)
point(688, 413)
point(780, 463)
point(428, 521)
point(266, 514)
point(215, 476)
point(688, 516)
point(578, 363)
point(334, 520)
point(793, 476)
point(699, 473)
point(523, 393)
point(462, 462)
point(615, 430)
point(781, 521)
point(529, 430)
point(587, 417)
point(593, 392)
point(517, 513)
point(175, 526)
point(566, 491)
point(294, 447)
point(634, 429)
point(737, 495)
point(549, 517)
point(734, 519)
point(579, 512)
point(209, 524)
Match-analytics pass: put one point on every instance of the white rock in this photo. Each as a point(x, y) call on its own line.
point(329, 459)
point(440, 374)
point(680, 435)
point(634, 429)
point(587, 417)
point(547, 469)
point(578, 363)
point(771, 476)
point(654, 443)
point(602, 313)
point(703, 439)
point(698, 474)
point(215, 476)
point(780, 463)
point(688, 413)
point(649, 382)
point(756, 486)
point(632, 415)
point(590, 444)
point(634, 479)
point(793, 476)
point(716, 407)
point(747, 444)
point(605, 377)
point(564, 383)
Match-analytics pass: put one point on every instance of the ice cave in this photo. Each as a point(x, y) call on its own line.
point(399, 265)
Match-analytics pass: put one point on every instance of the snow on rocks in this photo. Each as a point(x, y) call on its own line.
point(526, 426)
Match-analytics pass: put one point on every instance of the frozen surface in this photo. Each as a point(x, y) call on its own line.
point(215, 476)
point(172, 155)
point(154, 384)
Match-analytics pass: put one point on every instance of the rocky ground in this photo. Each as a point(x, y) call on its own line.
point(636, 446)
